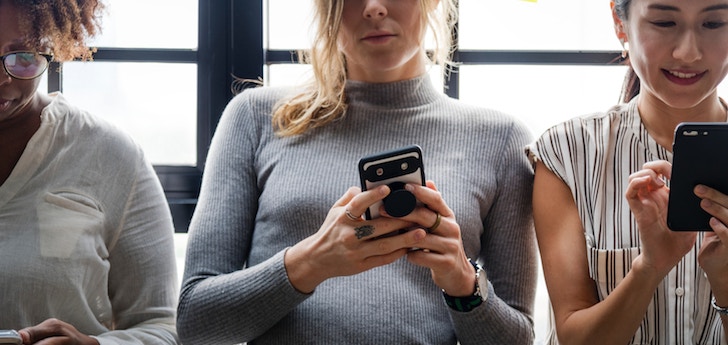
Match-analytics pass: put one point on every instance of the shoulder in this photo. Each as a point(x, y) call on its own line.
point(90, 133)
point(259, 99)
point(594, 126)
point(583, 136)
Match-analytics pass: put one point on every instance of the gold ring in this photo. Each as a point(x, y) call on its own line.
point(351, 216)
point(437, 222)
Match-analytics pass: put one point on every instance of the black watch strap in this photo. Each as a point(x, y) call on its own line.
point(467, 303)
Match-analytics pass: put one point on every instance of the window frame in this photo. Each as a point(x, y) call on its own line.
point(231, 43)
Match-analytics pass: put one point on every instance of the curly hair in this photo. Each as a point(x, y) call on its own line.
point(63, 26)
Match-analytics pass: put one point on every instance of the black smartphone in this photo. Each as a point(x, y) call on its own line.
point(700, 156)
point(10, 336)
point(394, 168)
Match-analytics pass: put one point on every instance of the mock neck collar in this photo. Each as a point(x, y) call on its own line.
point(401, 94)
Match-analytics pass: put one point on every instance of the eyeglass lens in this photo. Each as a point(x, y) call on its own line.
point(25, 65)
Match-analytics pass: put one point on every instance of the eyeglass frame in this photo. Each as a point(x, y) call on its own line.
point(48, 57)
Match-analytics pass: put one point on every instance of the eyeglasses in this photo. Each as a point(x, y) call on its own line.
point(25, 65)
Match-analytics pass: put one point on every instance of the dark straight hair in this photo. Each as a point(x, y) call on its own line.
point(631, 84)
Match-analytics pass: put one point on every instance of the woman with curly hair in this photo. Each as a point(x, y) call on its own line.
point(86, 251)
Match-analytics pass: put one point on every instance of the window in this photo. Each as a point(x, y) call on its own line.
point(164, 73)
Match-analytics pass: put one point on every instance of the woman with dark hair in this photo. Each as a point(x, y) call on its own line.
point(615, 273)
point(86, 251)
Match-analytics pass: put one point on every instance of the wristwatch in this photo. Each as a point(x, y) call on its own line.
point(468, 303)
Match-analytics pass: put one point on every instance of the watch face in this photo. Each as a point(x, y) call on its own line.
point(482, 281)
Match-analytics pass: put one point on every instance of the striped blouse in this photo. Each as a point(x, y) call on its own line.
point(594, 155)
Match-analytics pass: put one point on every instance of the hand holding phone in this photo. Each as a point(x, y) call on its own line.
point(394, 168)
point(700, 156)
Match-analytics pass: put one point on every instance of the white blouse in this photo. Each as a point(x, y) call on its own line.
point(594, 155)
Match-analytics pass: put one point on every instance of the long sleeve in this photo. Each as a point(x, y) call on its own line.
point(506, 317)
point(262, 193)
point(143, 274)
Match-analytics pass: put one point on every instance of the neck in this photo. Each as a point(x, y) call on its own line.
point(661, 119)
point(15, 133)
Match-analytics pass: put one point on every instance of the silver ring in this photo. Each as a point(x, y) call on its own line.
point(351, 216)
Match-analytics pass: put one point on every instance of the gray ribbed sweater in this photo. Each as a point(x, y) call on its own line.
point(262, 193)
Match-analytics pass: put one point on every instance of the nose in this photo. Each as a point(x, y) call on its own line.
point(688, 47)
point(4, 76)
point(374, 9)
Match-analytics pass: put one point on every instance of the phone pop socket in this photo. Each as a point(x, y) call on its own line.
point(400, 202)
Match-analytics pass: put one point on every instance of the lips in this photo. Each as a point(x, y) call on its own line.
point(4, 104)
point(377, 36)
point(683, 77)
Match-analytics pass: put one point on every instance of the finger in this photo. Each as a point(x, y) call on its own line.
point(360, 202)
point(719, 230)
point(637, 184)
point(398, 241)
point(26, 336)
point(346, 198)
point(372, 229)
point(705, 192)
point(714, 209)
point(48, 328)
point(661, 167)
point(430, 197)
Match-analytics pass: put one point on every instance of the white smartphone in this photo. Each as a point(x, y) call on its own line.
point(10, 336)
point(394, 168)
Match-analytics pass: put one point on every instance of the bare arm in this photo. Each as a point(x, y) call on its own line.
point(580, 316)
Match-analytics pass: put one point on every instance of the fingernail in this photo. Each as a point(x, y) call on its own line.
point(700, 189)
point(409, 187)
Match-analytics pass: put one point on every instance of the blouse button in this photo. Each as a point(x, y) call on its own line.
point(679, 292)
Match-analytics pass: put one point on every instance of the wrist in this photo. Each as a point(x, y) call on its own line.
point(647, 273)
point(474, 300)
point(301, 275)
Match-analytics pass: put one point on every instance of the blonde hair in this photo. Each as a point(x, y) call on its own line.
point(323, 99)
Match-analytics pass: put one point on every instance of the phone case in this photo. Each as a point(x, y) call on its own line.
point(394, 168)
point(700, 156)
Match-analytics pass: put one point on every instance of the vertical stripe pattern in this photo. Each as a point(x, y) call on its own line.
point(594, 155)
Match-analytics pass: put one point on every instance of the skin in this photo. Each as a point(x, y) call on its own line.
point(673, 51)
point(20, 109)
point(382, 42)
point(20, 105)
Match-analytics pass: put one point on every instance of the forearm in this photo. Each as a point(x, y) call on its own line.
point(622, 311)
point(212, 309)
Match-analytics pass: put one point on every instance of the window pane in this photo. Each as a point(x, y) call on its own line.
point(149, 24)
point(542, 96)
point(542, 25)
point(156, 103)
point(284, 15)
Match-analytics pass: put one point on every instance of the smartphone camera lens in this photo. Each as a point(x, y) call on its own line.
point(400, 202)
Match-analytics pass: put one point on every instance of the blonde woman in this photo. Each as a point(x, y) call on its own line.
point(278, 251)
